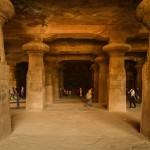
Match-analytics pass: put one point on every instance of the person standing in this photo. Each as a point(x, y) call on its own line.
point(17, 96)
point(80, 91)
point(12, 93)
point(132, 97)
point(22, 91)
point(89, 97)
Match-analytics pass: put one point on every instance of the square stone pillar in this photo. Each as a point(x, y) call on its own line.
point(61, 81)
point(116, 76)
point(12, 76)
point(6, 12)
point(35, 96)
point(5, 119)
point(139, 65)
point(143, 14)
point(48, 85)
point(95, 79)
point(55, 80)
point(102, 79)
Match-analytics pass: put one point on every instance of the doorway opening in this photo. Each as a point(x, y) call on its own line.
point(76, 75)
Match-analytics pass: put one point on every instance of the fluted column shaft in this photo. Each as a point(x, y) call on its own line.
point(102, 80)
point(116, 76)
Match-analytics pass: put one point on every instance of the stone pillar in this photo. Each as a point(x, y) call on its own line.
point(12, 76)
point(55, 79)
point(102, 80)
point(95, 80)
point(139, 65)
point(6, 13)
point(48, 85)
point(143, 14)
point(130, 76)
point(116, 76)
point(92, 76)
point(35, 96)
point(61, 78)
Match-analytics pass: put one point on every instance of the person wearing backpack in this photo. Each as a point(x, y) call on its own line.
point(89, 97)
point(132, 97)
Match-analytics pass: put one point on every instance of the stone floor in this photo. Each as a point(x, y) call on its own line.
point(72, 126)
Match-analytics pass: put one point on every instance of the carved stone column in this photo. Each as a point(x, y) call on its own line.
point(48, 85)
point(12, 76)
point(61, 78)
point(95, 80)
point(139, 65)
point(143, 14)
point(55, 79)
point(116, 76)
point(6, 13)
point(35, 96)
point(102, 80)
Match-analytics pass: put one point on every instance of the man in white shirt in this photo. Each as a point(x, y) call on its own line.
point(132, 98)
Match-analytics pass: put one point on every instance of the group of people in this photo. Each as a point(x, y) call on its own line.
point(14, 94)
point(133, 97)
point(68, 92)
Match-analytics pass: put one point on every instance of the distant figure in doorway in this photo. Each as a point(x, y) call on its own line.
point(69, 92)
point(12, 93)
point(132, 97)
point(89, 97)
point(17, 96)
point(22, 92)
point(80, 92)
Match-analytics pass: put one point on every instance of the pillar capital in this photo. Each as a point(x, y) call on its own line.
point(143, 12)
point(12, 65)
point(101, 59)
point(35, 47)
point(94, 67)
point(140, 61)
point(117, 49)
point(7, 11)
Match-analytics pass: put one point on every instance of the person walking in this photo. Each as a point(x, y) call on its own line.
point(132, 97)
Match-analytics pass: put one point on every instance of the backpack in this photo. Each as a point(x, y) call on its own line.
point(88, 95)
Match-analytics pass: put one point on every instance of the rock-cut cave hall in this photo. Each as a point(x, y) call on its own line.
point(57, 49)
